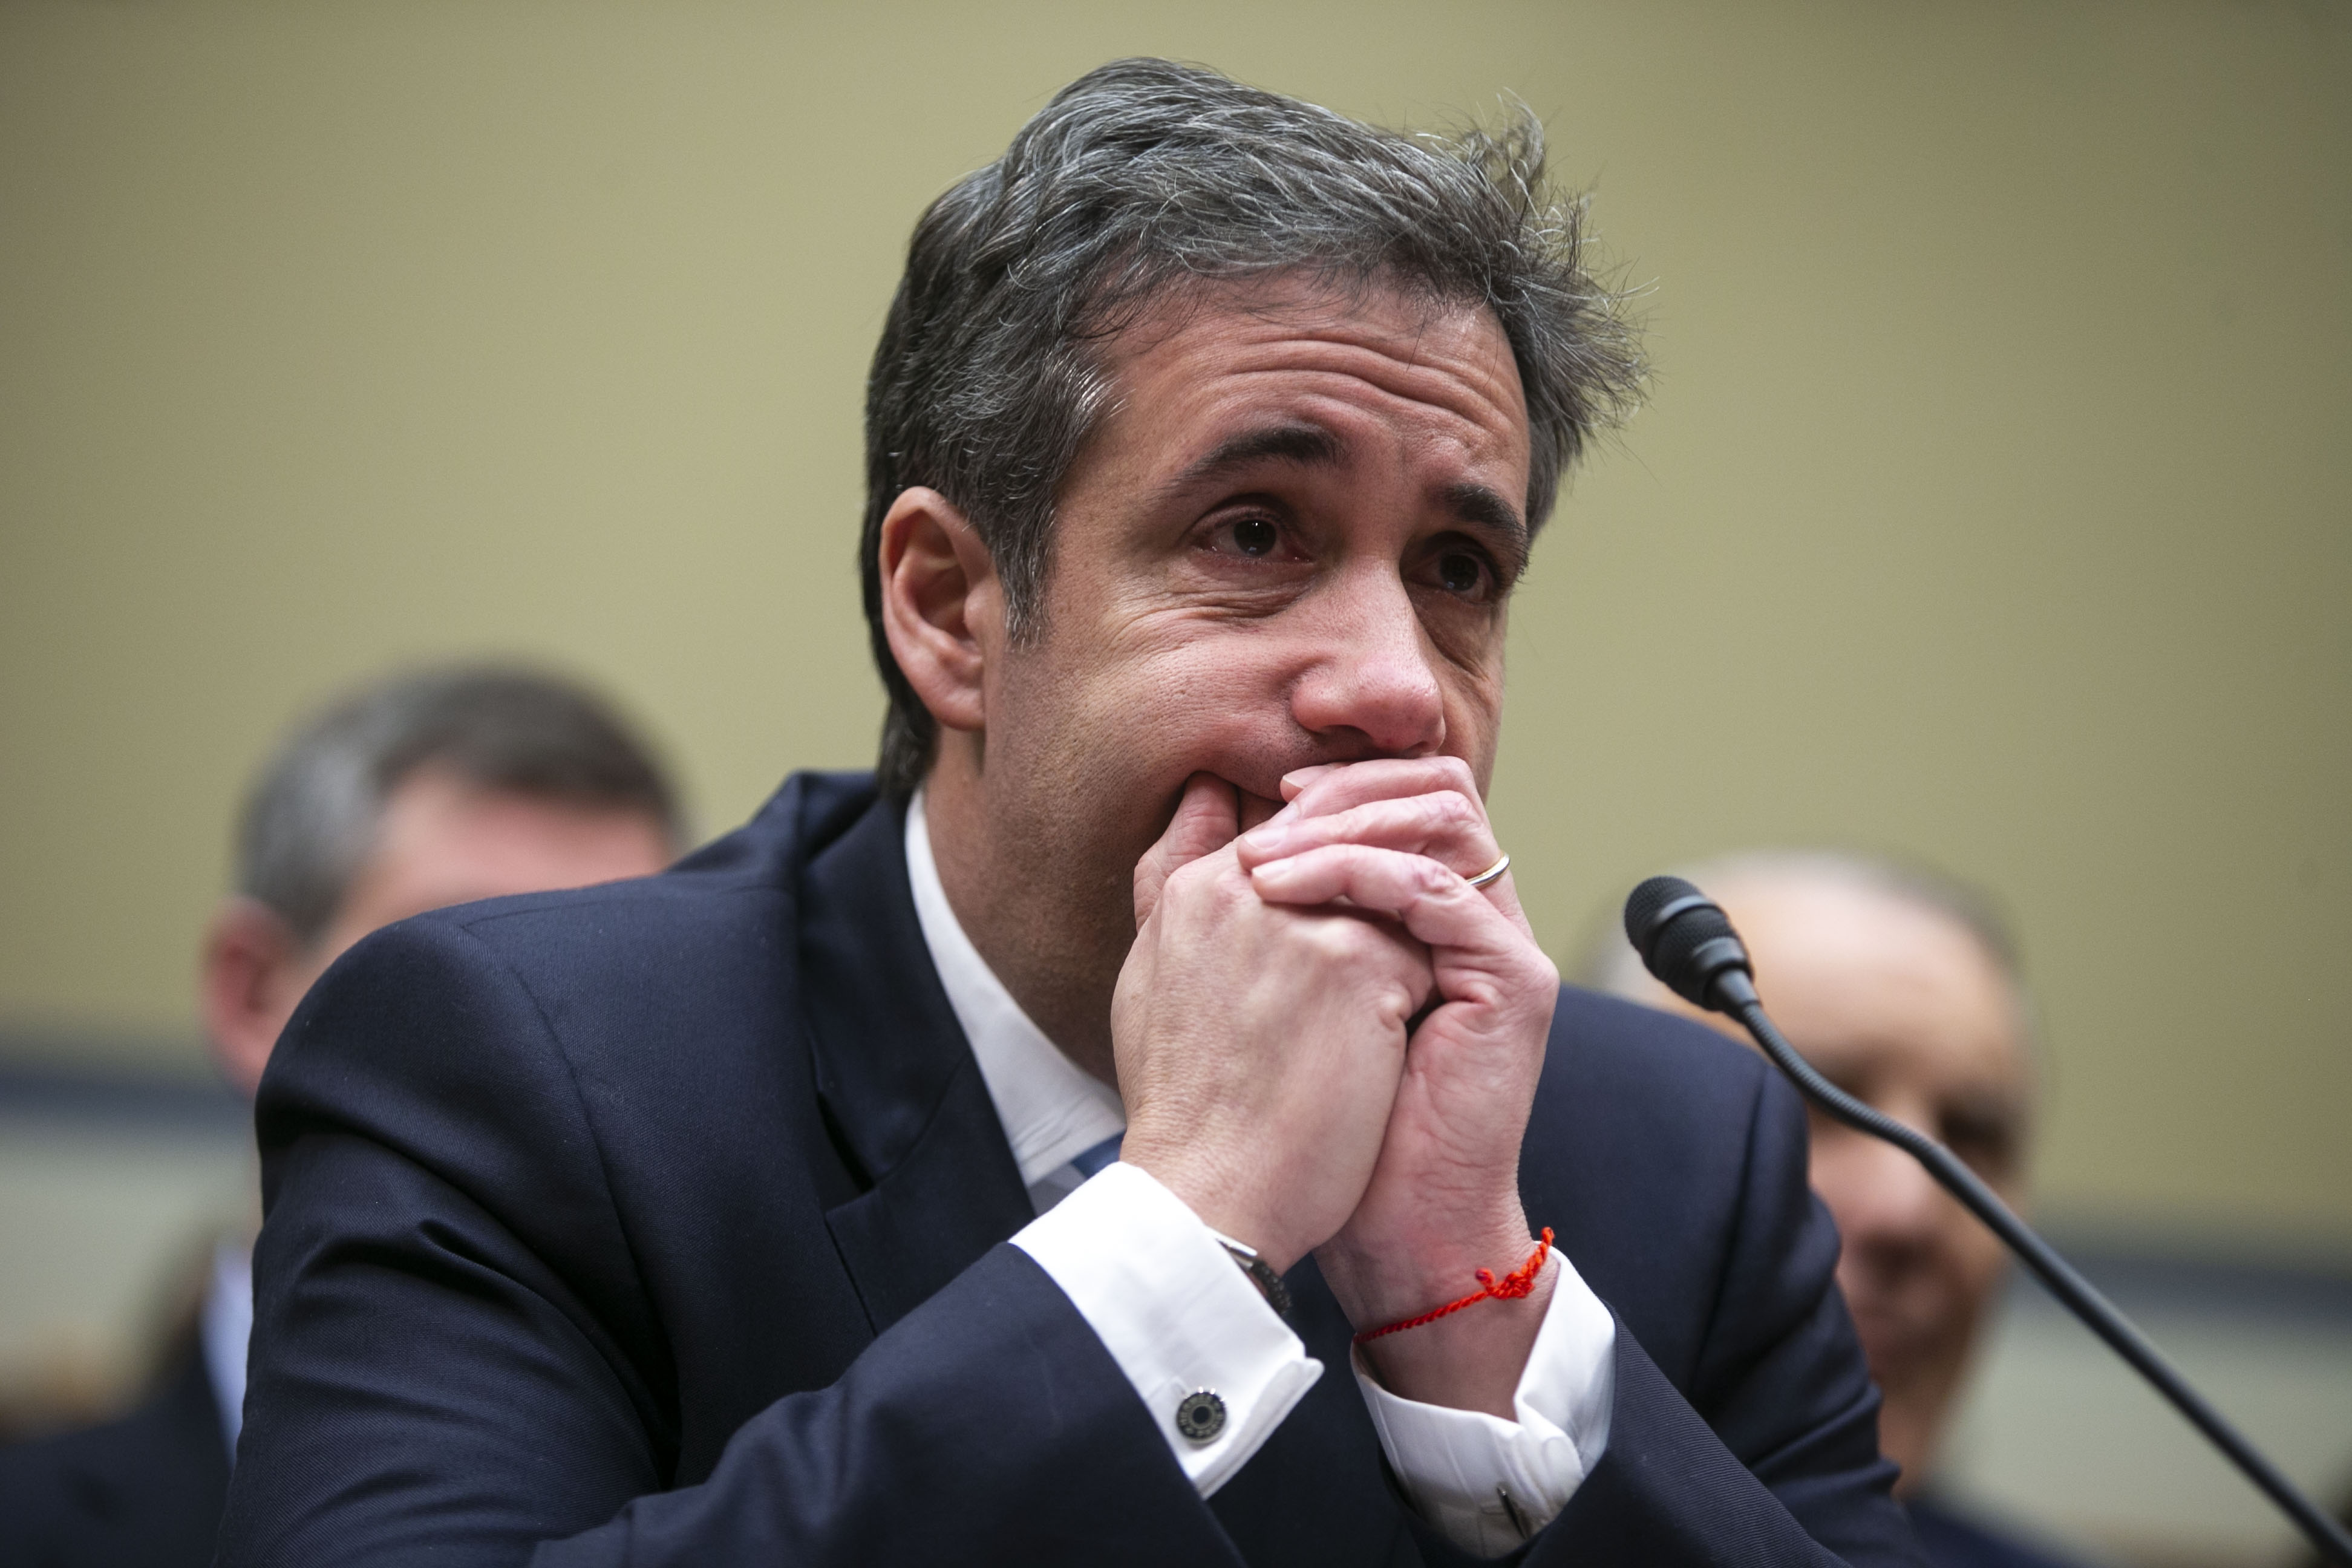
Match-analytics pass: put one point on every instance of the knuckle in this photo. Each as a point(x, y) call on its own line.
point(1452, 808)
point(1195, 883)
point(1333, 939)
point(1315, 832)
point(1342, 856)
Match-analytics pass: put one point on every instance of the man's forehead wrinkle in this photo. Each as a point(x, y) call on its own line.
point(1450, 402)
point(1302, 321)
point(1442, 377)
point(1421, 335)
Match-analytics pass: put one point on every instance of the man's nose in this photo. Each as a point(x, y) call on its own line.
point(1373, 680)
point(1886, 1199)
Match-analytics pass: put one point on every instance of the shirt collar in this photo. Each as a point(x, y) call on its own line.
point(1051, 1108)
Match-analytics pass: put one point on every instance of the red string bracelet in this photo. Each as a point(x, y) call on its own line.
point(1510, 1287)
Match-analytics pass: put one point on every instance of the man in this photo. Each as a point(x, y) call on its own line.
point(1904, 989)
point(776, 1209)
point(418, 792)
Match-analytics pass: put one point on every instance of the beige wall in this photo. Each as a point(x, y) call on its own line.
point(1991, 503)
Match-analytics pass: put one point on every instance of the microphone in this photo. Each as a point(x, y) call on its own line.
point(1686, 941)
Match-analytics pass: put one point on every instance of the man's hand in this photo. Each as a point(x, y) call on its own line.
point(1400, 838)
point(1258, 1045)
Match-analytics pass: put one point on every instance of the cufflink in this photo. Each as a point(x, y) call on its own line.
point(1200, 1415)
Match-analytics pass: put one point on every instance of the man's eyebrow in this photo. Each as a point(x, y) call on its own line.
point(1476, 505)
point(1308, 445)
point(1482, 508)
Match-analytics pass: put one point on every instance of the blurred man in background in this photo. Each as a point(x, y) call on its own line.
point(412, 794)
point(1903, 989)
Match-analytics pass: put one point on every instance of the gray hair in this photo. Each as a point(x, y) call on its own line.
point(311, 818)
point(1609, 964)
point(1142, 176)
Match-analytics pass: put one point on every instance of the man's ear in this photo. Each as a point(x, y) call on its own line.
point(943, 607)
point(250, 965)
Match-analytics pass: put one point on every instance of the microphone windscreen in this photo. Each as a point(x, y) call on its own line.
point(1683, 936)
point(1643, 904)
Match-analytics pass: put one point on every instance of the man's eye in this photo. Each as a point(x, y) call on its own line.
point(1987, 1142)
point(1255, 536)
point(1459, 572)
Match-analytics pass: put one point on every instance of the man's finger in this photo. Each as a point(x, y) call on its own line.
point(1430, 901)
point(1331, 788)
point(1207, 817)
point(1445, 827)
point(1297, 779)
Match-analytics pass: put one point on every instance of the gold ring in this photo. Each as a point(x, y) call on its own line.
point(1491, 872)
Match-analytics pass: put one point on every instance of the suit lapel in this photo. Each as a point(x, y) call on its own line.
point(901, 1089)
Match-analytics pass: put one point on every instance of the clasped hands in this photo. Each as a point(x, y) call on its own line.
point(1328, 1041)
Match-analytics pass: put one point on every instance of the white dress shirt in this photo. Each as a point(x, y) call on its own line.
point(224, 1325)
point(1179, 1316)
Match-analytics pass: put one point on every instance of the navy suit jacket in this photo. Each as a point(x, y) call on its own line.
point(665, 1223)
point(141, 1491)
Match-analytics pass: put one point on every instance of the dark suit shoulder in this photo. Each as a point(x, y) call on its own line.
point(1699, 1083)
point(727, 902)
point(609, 1089)
point(147, 1488)
point(546, 1010)
point(1678, 1158)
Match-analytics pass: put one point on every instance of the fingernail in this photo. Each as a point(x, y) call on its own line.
point(1297, 779)
point(1274, 871)
point(1266, 837)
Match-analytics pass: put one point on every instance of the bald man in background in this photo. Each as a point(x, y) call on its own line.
point(416, 792)
point(1903, 988)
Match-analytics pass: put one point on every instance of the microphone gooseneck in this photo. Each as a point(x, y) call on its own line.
point(1687, 942)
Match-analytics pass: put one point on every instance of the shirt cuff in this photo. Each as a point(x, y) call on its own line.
point(1488, 1484)
point(1175, 1312)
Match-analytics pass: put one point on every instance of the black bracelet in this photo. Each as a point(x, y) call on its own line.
point(1261, 1273)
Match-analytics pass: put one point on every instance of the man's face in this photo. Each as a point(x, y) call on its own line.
point(1904, 1009)
point(1291, 541)
point(441, 841)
